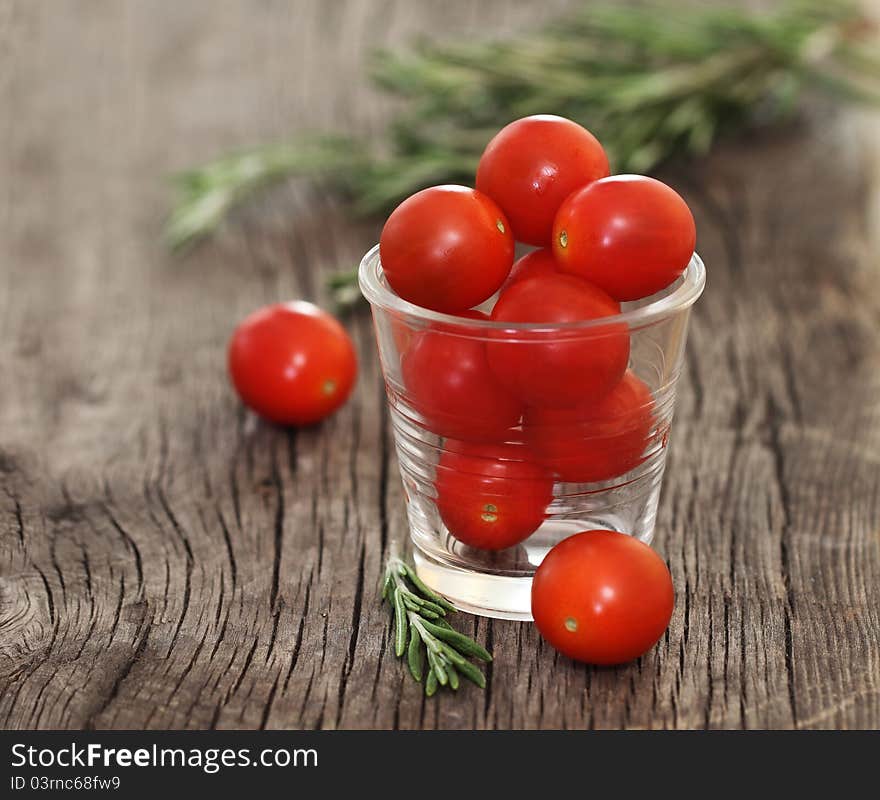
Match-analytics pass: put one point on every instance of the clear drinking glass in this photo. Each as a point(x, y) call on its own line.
point(603, 457)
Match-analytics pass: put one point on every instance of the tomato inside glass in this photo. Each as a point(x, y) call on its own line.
point(491, 496)
point(537, 264)
point(532, 165)
point(557, 367)
point(447, 248)
point(628, 234)
point(448, 381)
point(593, 441)
point(292, 363)
point(602, 597)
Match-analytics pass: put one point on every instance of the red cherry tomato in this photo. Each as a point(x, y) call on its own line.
point(594, 441)
point(491, 496)
point(532, 165)
point(448, 381)
point(558, 367)
point(403, 332)
point(292, 363)
point(630, 235)
point(602, 597)
point(446, 248)
point(536, 264)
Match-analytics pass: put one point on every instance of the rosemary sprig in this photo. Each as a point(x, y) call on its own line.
point(650, 80)
point(422, 632)
point(205, 195)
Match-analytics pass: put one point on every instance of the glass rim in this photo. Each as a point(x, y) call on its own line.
point(690, 286)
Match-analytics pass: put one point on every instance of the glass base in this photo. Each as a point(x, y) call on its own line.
point(501, 587)
point(497, 596)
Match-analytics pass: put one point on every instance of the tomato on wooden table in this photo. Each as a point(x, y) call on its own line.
point(292, 363)
point(447, 248)
point(596, 440)
point(448, 381)
point(629, 234)
point(557, 367)
point(532, 165)
point(602, 597)
point(491, 496)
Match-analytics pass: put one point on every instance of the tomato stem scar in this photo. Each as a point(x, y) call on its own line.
point(489, 513)
point(500, 225)
point(571, 624)
point(329, 387)
point(563, 239)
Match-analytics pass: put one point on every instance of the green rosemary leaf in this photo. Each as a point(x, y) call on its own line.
point(387, 585)
point(431, 683)
point(427, 605)
point(467, 669)
point(436, 610)
point(459, 641)
point(412, 606)
point(400, 626)
point(419, 609)
point(438, 667)
point(415, 658)
point(453, 677)
point(426, 592)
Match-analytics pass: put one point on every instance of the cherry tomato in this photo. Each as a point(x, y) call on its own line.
point(594, 441)
point(292, 363)
point(558, 367)
point(449, 382)
point(536, 264)
point(630, 235)
point(602, 597)
point(446, 248)
point(491, 496)
point(403, 332)
point(532, 165)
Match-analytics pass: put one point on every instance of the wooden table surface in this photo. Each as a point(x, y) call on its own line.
point(168, 561)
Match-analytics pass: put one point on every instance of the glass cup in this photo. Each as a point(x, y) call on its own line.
point(513, 436)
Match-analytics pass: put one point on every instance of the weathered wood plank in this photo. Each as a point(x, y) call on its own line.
point(168, 561)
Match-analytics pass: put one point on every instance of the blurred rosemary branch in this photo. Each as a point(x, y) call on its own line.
point(651, 81)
